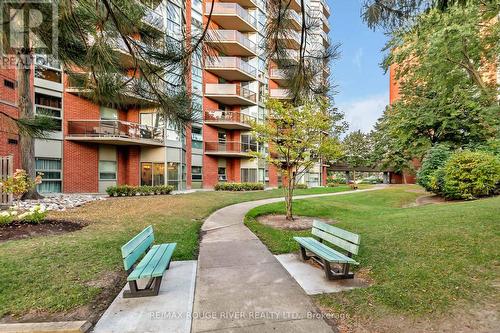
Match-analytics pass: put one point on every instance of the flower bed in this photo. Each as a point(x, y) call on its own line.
point(34, 215)
point(239, 187)
point(128, 191)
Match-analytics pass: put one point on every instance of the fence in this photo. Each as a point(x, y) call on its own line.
point(6, 170)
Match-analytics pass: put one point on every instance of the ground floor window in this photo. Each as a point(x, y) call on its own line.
point(107, 170)
point(221, 174)
point(51, 169)
point(173, 174)
point(196, 173)
point(152, 173)
point(248, 175)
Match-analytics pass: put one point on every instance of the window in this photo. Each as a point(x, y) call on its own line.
point(49, 106)
point(9, 84)
point(221, 172)
point(222, 137)
point(107, 170)
point(248, 143)
point(51, 169)
point(108, 113)
point(196, 173)
point(173, 174)
point(173, 20)
point(47, 68)
point(249, 175)
point(152, 174)
point(196, 137)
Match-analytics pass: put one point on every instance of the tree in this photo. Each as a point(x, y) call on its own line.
point(89, 32)
point(392, 14)
point(357, 147)
point(297, 137)
point(446, 97)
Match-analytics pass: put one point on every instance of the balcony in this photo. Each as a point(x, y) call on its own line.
point(231, 16)
point(229, 149)
point(230, 94)
point(232, 120)
point(296, 19)
point(153, 18)
point(243, 3)
point(324, 37)
point(279, 93)
point(114, 132)
point(291, 39)
point(279, 76)
point(231, 68)
point(294, 4)
point(139, 48)
point(289, 55)
point(326, 8)
point(326, 24)
point(135, 92)
point(231, 43)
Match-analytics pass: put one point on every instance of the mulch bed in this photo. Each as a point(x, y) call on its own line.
point(280, 222)
point(19, 230)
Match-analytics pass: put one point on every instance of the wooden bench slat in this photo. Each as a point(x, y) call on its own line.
point(130, 260)
point(350, 247)
point(132, 244)
point(164, 260)
point(324, 251)
point(344, 234)
point(144, 263)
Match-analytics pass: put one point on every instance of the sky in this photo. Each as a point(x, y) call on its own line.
point(362, 86)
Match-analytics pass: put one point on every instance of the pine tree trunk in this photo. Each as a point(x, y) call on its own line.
point(25, 105)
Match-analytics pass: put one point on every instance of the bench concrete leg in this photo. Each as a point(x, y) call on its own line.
point(151, 289)
point(303, 253)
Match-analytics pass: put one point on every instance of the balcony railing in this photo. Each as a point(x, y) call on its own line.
point(279, 93)
point(231, 63)
point(232, 36)
point(114, 129)
point(223, 116)
point(231, 90)
point(221, 8)
point(154, 18)
point(229, 147)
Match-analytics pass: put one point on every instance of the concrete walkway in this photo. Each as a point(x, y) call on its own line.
point(241, 286)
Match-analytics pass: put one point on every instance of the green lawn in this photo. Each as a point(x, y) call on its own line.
point(48, 274)
point(424, 261)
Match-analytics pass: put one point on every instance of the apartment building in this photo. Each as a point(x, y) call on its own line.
point(98, 146)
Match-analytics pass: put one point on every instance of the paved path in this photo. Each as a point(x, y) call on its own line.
point(241, 286)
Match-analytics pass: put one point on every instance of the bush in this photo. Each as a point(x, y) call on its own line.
point(332, 184)
point(301, 187)
point(128, 191)
point(7, 216)
point(435, 158)
point(35, 215)
point(239, 187)
point(469, 175)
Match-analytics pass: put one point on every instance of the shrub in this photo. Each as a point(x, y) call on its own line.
point(435, 158)
point(7, 216)
point(469, 175)
point(35, 215)
point(239, 186)
point(130, 191)
point(301, 186)
point(331, 184)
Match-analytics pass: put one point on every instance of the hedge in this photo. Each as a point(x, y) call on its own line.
point(428, 176)
point(470, 175)
point(239, 186)
point(128, 191)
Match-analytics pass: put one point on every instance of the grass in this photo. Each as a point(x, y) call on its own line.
point(50, 274)
point(424, 261)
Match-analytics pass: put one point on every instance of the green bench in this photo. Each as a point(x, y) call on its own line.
point(155, 261)
point(325, 255)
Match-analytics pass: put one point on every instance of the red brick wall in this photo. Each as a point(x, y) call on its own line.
point(80, 160)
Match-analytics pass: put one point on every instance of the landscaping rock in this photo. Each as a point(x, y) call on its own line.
point(61, 202)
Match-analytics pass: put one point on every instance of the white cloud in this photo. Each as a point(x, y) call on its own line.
point(356, 60)
point(363, 113)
